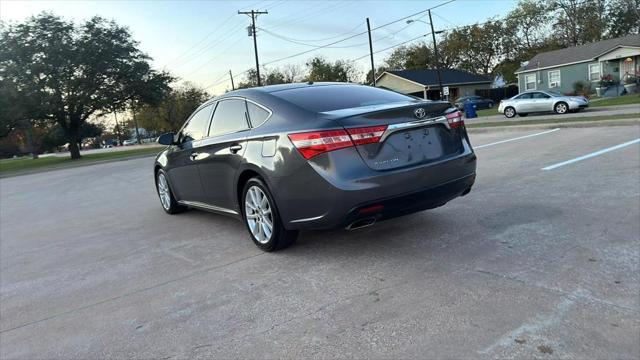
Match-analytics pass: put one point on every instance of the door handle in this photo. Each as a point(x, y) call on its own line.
point(235, 148)
point(199, 156)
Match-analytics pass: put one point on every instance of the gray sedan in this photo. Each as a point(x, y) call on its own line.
point(541, 101)
point(283, 158)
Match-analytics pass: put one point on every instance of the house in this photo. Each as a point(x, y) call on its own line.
point(558, 70)
point(424, 82)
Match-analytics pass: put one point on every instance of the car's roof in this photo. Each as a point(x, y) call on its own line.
point(280, 87)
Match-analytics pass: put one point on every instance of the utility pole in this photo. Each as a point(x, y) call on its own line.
point(435, 50)
point(373, 68)
point(254, 14)
point(231, 75)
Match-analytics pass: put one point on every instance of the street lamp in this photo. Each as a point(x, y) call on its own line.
point(435, 47)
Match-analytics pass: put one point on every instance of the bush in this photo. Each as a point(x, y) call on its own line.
point(630, 79)
point(581, 88)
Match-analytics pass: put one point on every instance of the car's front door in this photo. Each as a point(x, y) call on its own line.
point(222, 153)
point(183, 173)
point(541, 101)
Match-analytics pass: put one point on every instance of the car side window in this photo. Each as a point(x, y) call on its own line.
point(257, 114)
point(230, 116)
point(524, 96)
point(539, 95)
point(197, 126)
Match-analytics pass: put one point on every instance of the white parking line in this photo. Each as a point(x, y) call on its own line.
point(593, 154)
point(518, 138)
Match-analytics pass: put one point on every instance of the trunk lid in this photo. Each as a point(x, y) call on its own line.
point(417, 133)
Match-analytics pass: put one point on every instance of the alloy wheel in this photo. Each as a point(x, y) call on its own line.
point(561, 108)
point(258, 214)
point(509, 112)
point(163, 191)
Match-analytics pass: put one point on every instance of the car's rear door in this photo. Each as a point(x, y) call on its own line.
point(183, 173)
point(221, 153)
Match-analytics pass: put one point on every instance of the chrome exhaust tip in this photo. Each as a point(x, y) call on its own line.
point(362, 223)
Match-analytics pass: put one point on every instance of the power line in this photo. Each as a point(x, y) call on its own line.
point(218, 41)
point(355, 35)
point(391, 47)
point(305, 44)
point(323, 39)
point(199, 42)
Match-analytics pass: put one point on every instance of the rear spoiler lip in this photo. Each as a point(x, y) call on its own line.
point(372, 109)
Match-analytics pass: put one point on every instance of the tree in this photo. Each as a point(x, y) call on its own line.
point(415, 56)
point(292, 73)
point(76, 71)
point(624, 18)
point(320, 69)
point(474, 47)
point(579, 22)
point(251, 80)
point(369, 78)
point(170, 113)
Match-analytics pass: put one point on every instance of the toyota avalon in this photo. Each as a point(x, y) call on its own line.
point(283, 158)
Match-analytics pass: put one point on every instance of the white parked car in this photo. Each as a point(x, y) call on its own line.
point(129, 142)
point(541, 101)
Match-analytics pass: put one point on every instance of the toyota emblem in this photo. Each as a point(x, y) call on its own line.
point(419, 113)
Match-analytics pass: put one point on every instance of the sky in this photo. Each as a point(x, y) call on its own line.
point(200, 41)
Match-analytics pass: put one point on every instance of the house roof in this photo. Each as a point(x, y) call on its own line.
point(578, 54)
point(429, 77)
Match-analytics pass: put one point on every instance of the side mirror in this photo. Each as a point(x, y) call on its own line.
point(166, 139)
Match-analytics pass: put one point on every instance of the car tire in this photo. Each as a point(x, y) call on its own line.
point(259, 210)
point(561, 108)
point(523, 115)
point(167, 200)
point(509, 112)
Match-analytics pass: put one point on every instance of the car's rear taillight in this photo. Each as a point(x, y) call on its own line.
point(315, 143)
point(455, 119)
point(366, 135)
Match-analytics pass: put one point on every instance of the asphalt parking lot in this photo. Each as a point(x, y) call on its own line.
point(532, 263)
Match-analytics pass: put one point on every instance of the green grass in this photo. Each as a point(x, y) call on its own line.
point(16, 166)
point(553, 121)
point(488, 112)
point(620, 100)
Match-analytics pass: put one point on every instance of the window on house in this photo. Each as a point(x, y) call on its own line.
point(594, 72)
point(530, 82)
point(554, 78)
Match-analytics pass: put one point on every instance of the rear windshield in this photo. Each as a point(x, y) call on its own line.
point(336, 97)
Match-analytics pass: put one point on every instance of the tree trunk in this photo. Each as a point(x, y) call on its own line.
point(117, 128)
point(28, 129)
point(73, 135)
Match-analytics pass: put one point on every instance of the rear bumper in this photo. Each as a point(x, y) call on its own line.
point(331, 192)
point(410, 203)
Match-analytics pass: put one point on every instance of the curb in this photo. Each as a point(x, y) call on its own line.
point(71, 166)
point(572, 124)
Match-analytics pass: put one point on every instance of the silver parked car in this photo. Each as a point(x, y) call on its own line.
point(541, 101)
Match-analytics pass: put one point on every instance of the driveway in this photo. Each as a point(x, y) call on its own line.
point(532, 263)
